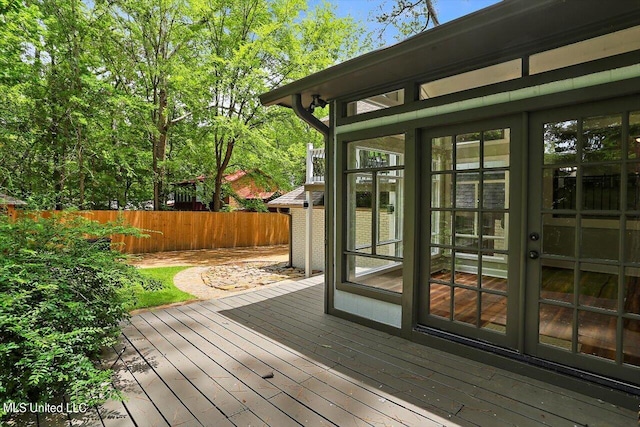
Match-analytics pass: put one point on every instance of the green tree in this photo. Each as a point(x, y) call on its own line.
point(409, 17)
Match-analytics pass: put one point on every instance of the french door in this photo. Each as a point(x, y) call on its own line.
point(583, 238)
point(472, 205)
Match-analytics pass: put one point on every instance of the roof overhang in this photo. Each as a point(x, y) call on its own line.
point(507, 30)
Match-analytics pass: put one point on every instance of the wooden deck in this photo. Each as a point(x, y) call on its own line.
point(273, 358)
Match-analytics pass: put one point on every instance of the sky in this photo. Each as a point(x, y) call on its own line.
point(366, 10)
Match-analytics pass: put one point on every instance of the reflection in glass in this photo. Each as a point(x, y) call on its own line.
point(600, 237)
point(442, 190)
point(466, 226)
point(631, 342)
point(376, 102)
point(466, 268)
point(494, 230)
point(557, 282)
point(496, 148)
point(494, 195)
point(559, 188)
point(633, 186)
point(599, 286)
point(378, 273)
point(555, 327)
point(468, 151)
point(465, 305)
point(560, 142)
point(632, 239)
point(558, 235)
point(467, 193)
point(386, 151)
point(493, 313)
point(442, 153)
point(634, 135)
point(602, 138)
point(597, 334)
point(632, 290)
point(360, 210)
point(441, 228)
point(390, 207)
point(441, 266)
point(494, 273)
point(601, 187)
point(440, 300)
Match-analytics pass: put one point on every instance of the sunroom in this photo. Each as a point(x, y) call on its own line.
point(482, 189)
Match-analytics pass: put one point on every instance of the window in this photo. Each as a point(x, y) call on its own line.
point(374, 103)
point(375, 207)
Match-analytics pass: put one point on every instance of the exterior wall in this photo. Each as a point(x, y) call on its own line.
point(298, 240)
point(369, 308)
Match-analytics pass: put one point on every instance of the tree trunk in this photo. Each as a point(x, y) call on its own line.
point(160, 150)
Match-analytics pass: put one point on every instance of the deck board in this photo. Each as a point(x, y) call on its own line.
point(204, 363)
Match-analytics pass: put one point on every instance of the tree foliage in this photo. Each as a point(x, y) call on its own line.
point(408, 17)
point(107, 102)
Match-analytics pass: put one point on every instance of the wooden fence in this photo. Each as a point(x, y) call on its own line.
point(177, 231)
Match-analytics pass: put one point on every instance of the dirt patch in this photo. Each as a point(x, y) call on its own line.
point(210, 257)
point(250, 274)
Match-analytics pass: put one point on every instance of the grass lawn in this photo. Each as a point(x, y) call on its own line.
point(167, 295)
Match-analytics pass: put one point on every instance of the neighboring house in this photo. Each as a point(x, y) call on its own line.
point(8, 204)
point(243, 185)
point(486, 201)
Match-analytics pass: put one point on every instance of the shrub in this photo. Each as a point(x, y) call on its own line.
point(63, 293)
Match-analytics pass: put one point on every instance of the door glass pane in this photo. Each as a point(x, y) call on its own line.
point(558, 235)
point(442, 153)
point(493, 313)
point(494, 230)
point(441, 228)
point(597, 334)
point(560, 142)
point(466, 230)
point(600, 237)
point(634, 135)
point(559, 188)
point(441, 265)
point(494, 194)
point(633, 186)
point(632, 239)
point(442, 190)
point(599, 286)
point(467, 190)
point(602, 138)
point(468, 151)
point(557, 281)
point(360, 211)
point(494, 273)
point(378, 273)
point(465, 306)
point(632, 290)
point(390, 207)
point(466, 269)
point(631, 342)
point(496, 148)
point(601, 187)
point(440, 300)
point(556, 325)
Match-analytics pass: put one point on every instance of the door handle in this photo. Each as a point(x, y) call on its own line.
point(534, 255)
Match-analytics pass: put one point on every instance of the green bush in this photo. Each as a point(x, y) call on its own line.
point(62, 297)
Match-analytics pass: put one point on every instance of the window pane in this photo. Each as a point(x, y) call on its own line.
point(376, 102)
point(600, 237)
point(440, 300)
point(601, 187)
point(632, 239)
point(390, 207)
point(494, 312)
point(466, 269)
point(597, 334)
point(441, 228)
point(556, 326)
point(599, 286)
point(441, 266)
point(558, 235)
point(378, 273)
point(442, 153)
point(494, 226)
point(359, 211)
point(632, 290)
point(466, 229)
point(634, 135)
point(559, 188)
point(557, 281)
point(494, 192)
point(631, 342)
point(496, 148)
point(602, 138)
point(442, 190)
point(633, 186)
point(560, 142)
point(467, 190)
point(468, 151)
point(376, 152)
point(465, 305)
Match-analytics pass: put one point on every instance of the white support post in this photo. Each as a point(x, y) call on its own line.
point(309, 177)
point(308, 250)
